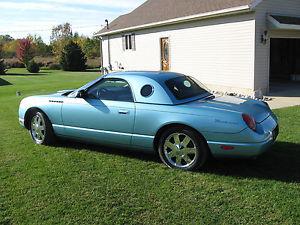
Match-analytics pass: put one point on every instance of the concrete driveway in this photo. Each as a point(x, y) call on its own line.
point(284, 94)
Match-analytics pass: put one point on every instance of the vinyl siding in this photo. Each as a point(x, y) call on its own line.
point(262, 52)
point(219, 52)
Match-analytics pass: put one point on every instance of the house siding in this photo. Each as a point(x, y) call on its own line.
point(218, 51)
point(262, 52)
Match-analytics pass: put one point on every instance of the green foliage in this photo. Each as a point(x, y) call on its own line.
point(2, 67)
point(61, 32)
point(6, 38)
point(9, 49)
point(60, 37)
point(91, 47)
point(73, 58)
point(40, 48)
point(33, 67)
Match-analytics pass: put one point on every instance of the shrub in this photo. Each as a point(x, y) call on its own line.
point(73, 58)
point(33, 67)
point(44, 61)
point(54, 66)
point(2, 67)
point(13, 63)
point(94, 63)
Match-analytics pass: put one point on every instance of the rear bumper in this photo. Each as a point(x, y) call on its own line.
point(241, 150)
point(269, 130)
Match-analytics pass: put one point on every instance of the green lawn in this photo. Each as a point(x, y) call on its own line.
point(81, 184)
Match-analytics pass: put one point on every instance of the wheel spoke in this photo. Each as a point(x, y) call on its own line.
point(36, 120)
point(186, 141)
point(187, 159)
point(189, 151)
point(178, 161)
point(170, 146)
point(177, 139)
point(172, 154)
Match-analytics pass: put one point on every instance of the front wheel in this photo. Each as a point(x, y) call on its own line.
point(182, 148)
point(41, 130)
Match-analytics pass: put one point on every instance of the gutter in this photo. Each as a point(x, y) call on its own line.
point(218, 13)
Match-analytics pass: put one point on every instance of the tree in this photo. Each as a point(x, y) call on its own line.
point(60, 36)
point(5, 38)
point(73, 58)
point(9, 48)
point(39, 46)
point(25, 51)
point(91, 47)
point(2, 67)
point(61, 32)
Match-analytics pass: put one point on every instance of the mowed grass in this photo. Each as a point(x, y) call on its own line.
point(81, 184)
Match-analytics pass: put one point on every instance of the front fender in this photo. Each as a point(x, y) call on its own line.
point(51, 106)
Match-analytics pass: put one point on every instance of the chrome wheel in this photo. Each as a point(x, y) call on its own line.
point(180, 150)
point(38, 128)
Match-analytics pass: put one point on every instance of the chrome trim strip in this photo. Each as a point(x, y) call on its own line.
point(103, 131)
point(269, 138)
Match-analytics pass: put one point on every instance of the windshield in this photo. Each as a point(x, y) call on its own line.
point(186, 87)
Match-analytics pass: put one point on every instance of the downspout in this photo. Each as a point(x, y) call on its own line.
point(108, 47)
point(101, 56)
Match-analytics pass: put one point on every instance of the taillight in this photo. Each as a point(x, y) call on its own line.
point(250, 121)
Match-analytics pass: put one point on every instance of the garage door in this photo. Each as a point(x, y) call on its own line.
point(284, 58)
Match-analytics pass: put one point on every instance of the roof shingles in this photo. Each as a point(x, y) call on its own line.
point(157, 10)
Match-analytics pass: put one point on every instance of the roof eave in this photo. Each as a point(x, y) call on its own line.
point(229, 11)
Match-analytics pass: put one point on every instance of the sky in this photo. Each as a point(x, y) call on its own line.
point(19, 18)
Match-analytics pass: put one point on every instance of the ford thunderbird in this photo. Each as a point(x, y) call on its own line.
point(168, 113)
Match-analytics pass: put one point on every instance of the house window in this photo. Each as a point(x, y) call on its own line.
point(128, 42)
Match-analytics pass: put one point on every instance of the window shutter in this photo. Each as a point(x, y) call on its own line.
point(124, 42)
point(133, 42)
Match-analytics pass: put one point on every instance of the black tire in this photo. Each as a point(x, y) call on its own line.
point(41, 136)
point(196, 150)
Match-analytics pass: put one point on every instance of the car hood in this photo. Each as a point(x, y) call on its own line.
point(258, 110)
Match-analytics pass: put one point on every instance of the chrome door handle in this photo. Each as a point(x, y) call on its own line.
point(123, 112)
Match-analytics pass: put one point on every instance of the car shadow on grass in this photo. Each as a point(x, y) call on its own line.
point(281, 163)
point(4, 82)
point(134, 154)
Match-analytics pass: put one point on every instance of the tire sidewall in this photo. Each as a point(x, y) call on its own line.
point(49, 136)
point(201, 148)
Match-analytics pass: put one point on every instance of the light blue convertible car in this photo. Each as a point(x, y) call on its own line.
point(168, 113)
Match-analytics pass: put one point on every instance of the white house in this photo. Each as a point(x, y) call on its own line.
point(229, 45)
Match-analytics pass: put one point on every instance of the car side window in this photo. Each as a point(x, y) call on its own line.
point(111, 89)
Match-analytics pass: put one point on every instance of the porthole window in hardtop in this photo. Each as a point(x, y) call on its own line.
point(147, 91)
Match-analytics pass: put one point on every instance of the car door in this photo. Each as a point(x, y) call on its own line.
point(105, 115)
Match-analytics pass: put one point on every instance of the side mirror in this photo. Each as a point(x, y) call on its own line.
point(81, 94)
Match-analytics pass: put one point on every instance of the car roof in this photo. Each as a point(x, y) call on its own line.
point(138, 79)
point(158, 76)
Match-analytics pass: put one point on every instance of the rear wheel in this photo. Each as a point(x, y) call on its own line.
point(41, 130)
point(183, 148)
